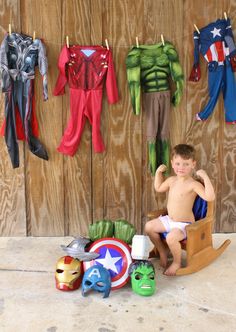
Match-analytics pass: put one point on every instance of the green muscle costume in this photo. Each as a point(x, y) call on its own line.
point(149, 68)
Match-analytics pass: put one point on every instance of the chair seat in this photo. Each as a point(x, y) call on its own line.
point(198, 245)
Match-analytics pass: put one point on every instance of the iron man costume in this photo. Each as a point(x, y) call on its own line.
point(85, 69)
point(19, 55)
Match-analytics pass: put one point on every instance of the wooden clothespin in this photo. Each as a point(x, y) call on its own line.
point(196, 28)
point(9, 29)
point(33, 35)
point(137, 42)
point(225, 15)
point(162, 40)
point(67, 42)
point(107, 45)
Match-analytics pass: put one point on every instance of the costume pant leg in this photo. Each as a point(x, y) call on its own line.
point(152, 122)
point(93, 112)
point(215, 81)
point(163, 133)
point(25, 93)
point(157, 108)
point(10, 125)
point(229, 94)
point(72, 135)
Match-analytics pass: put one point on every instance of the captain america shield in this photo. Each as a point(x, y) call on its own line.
point(115, 256)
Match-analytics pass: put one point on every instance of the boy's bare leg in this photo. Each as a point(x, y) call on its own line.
point(152, 229)
point(173, 240)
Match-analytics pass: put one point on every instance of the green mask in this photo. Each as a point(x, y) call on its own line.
point(143, 278)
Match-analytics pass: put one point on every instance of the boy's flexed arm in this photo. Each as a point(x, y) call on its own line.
point(207, 191)
point(160, 184)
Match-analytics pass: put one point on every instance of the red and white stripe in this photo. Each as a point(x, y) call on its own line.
point(217, 52)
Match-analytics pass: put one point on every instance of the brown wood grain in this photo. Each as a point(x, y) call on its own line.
point(170, 15)
point(97, 166)
point(227, 216)
point(77, 170)
point(44, 179)
point(123, 160)
point(206, 136)
point(65, 194)
point(12, 181)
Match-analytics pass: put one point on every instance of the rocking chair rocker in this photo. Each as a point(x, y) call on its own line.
point(198, 246)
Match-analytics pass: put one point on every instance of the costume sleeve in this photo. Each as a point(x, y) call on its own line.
point(196, 73)
point(229, 39)
point(62, 77)
point(134, 77)
point(176, 73)
point(4, 70)
point(43, 68)
point(111, 84)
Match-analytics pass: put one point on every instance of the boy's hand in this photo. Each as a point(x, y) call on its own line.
point(162, 168)
point(201, 173)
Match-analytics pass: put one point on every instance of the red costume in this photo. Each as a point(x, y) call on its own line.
point(85, 68)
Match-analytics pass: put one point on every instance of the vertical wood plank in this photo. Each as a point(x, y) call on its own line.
point(12, 181)
point(97, 174)
point(205, 136)
point(77, 171)
point(226, 215)
point(163, 17)
point(44, 179)
point(123, 159)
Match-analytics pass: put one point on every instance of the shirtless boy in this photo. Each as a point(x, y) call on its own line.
point(182, 191)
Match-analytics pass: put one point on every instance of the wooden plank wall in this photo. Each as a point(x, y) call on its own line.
point(62, 196)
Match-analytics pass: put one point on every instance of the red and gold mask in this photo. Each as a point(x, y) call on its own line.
point(68, 273)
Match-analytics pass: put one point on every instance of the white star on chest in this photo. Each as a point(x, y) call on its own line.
point(216, 32)
point(109, 262)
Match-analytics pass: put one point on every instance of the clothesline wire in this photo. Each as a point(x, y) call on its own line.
point(174, 40)
point(48, 41)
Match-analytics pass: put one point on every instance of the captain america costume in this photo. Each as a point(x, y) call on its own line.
point(216, 43)
point(86, 69)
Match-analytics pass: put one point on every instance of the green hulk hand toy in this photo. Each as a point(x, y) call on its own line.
point(143, 277)
point(149, 68)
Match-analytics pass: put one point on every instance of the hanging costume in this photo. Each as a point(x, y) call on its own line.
point(149, 68)
point(85, 68)
point(19, 55)
point(215, 42)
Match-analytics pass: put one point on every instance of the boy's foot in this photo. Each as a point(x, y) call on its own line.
point(171, 271)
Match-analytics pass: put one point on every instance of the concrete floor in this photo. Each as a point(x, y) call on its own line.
point(29, 301)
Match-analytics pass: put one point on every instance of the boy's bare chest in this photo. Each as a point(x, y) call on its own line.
point(180, 191)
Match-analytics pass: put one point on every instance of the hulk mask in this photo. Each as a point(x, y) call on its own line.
point(143, 277)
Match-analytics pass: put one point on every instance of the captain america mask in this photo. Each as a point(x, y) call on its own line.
point(96, 278)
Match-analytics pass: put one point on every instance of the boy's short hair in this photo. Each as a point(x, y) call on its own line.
point(185, 151)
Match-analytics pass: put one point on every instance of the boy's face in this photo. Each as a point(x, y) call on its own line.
point(182, 167)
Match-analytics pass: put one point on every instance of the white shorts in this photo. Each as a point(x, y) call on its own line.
point(169, 224)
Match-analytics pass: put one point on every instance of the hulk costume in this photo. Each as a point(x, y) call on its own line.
point(149, 68)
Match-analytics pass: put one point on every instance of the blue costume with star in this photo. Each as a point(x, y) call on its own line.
point(216, 43)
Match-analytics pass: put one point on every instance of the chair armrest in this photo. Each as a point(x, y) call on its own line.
point(197, 225)
point(156, 213)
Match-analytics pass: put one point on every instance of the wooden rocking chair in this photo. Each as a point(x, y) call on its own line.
point(198, 245)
